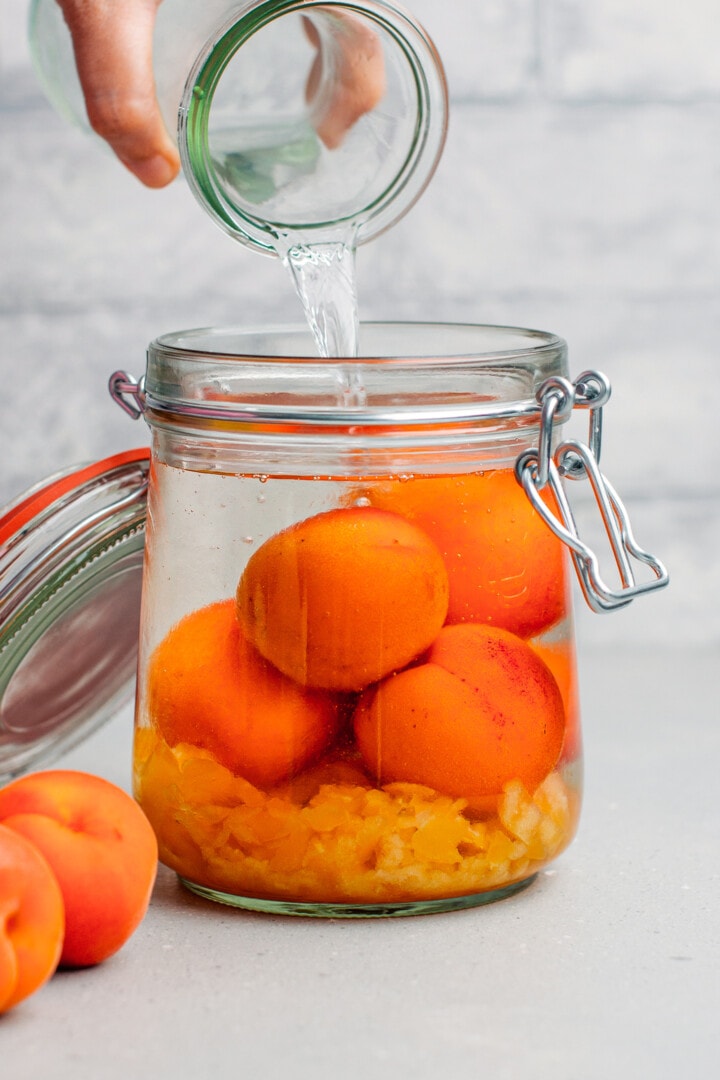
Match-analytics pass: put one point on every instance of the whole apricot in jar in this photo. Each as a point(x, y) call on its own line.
point(482, 710)
point(505, 566)
point(343, 598)
point(207, 686)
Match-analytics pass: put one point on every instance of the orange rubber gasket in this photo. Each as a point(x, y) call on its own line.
point(28, 508)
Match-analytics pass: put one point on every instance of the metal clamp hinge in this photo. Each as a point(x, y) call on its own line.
point(575, 460)
point(129, 393)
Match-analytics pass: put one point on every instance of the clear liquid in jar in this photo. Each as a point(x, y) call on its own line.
point(309, 811)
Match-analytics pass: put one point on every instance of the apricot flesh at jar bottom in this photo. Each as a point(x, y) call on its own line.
point(357, 689)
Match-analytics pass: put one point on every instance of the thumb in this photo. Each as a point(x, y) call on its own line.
point(113, 55)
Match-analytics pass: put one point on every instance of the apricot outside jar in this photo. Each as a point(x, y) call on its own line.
point(357, 691)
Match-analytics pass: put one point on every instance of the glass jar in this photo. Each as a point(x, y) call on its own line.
point(308, 121)
point(357, 691)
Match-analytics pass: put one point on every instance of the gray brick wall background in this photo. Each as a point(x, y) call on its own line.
point(579, 193)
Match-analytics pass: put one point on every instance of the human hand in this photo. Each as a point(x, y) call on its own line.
point(347, 78)
point(113, 55)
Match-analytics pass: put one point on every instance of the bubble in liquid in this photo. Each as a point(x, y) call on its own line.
point(248, 539)
point(363, 501)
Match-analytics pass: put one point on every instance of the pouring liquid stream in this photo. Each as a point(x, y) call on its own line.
point(324, 278)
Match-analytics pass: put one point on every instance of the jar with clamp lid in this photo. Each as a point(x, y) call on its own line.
point(357, 691)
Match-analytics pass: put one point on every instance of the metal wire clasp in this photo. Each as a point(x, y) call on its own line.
point(575, 460)
point(129, 393)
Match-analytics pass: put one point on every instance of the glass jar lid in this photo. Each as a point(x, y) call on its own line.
point(71, 553)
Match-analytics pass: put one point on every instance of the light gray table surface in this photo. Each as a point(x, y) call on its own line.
point(606, 967)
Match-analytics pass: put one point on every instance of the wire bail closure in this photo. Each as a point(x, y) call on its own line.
point(537, 469)
point(128, 393)
point(575, 460)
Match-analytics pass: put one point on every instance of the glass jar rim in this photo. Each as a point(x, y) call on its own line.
point(454, 373)
point(491, 341)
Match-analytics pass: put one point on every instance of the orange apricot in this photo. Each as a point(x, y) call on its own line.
point(484, 709)
point(32, 919)
point(101, 849)
point(560, 658)
point(207, 686)
point(344, 598)
point(339, 768)
point(505, 567)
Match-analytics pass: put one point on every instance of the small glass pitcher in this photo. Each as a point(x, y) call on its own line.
point(293, 118)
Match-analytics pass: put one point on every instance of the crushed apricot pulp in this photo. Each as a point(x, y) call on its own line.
point(342, 840)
